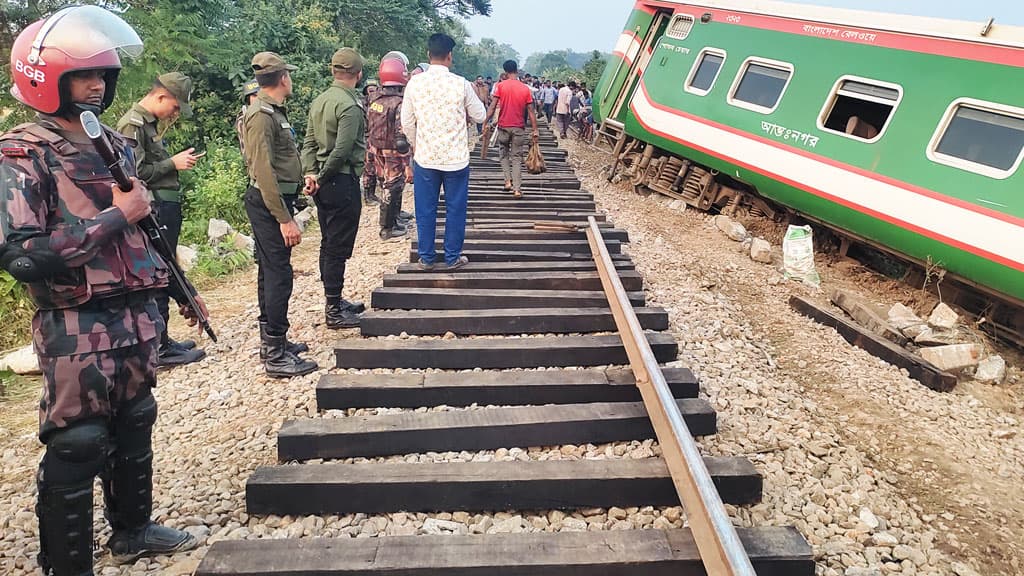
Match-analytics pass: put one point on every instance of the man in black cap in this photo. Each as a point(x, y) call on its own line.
point(333, 156)
point(274, 170)
point(166, 100)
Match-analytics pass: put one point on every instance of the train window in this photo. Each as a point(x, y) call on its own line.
point(980, 137)
point(859, 108)
point(680, 26)
point(760, 84)
point(705, 71)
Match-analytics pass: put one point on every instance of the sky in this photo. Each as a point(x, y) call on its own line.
point(583, 25)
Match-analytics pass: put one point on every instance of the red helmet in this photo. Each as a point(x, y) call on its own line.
point(75, 38)
point(396, 54)
point(392, 72)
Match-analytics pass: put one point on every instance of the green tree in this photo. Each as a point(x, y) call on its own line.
point(593, 69)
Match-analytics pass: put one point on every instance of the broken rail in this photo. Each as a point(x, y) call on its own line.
point(719, 545)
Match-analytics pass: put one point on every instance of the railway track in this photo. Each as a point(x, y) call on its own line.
point(562, 295)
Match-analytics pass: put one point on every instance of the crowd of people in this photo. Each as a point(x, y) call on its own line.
point(79, 241)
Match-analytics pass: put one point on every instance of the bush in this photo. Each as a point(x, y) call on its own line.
point(220, 260)
point(15, 312)
point(219, 181)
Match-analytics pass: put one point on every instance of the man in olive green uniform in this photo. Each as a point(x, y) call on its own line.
point(167, 99)
point(333, 156)
point(274, 170)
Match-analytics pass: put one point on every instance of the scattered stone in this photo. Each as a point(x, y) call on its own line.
point(761, 251)
point(243, 242)
point(186, 257)
point(991, 369)
point(731, 228)
point(677, 205)
point(303, 218)
point(21, 361)
point(435, 526)
point(860, 571)
point(217, 230)
point(961, 569)
point(954, 356)
point(936, 337)
point(867, 315)
point(868, 518)
point(906, 321)
point(884, 539)
point(943, 317)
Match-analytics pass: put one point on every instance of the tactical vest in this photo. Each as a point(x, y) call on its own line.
point(73, 188)
point(382, 119)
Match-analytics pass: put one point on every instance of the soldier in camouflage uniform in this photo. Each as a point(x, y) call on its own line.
point(70, 233)
point(168, 98)
point(369, 181)
point(390, 150)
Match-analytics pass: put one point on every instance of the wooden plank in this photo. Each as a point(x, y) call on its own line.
point(511, 321)
point(538, 245)
point(476, 486)
point(517, 256)
point(535, 266)
point(486, 429)
point(774, 551)
point(631, 279)
point(526, 215)
point(471, 234)
point(442, 299)
point(535, 203)
point(920, 369)
point(495, 353)
point(342, 391)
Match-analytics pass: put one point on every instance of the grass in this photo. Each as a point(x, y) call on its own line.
point(18, 404)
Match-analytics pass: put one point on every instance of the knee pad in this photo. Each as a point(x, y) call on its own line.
point(133, 426)
point(75, 454)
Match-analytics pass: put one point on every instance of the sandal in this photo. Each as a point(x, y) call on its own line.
point(517, 194)
point(507, 186)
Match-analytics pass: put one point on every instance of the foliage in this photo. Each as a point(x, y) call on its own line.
point(220, 181)
point(219, 261)
point(540, 61)
point(593, 69)
point(15, 311)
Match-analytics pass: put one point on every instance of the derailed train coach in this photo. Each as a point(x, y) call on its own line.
point(900, 132)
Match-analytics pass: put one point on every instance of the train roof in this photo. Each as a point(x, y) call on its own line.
point(973, 31)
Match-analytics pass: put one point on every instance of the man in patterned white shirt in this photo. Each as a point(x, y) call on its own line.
point(434, 113)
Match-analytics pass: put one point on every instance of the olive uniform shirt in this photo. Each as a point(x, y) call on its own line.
point(152, 161)
point(270, 154)
point(335, 140)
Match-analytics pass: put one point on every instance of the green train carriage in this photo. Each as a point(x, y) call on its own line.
point(902, 132)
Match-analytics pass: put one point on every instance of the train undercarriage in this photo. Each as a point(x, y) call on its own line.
point(651, 169)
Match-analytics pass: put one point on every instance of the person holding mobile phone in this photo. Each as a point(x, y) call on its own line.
point(167, 99)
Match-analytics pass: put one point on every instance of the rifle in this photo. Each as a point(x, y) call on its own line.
point(149, 224)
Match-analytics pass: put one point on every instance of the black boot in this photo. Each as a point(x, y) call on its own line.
point(279, 362)
point(355, 307)
point(173, 353)
point(338, 317)
point(293, 347)
point(148, 540)
point(393, 234)
point(370, 196)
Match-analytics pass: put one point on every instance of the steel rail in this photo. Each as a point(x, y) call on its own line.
point(719, 547)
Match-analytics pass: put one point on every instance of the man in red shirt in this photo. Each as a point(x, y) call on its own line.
point(516, 101)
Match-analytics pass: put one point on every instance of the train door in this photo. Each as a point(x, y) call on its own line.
point(637, 60)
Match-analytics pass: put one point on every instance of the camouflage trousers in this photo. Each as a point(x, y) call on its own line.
point(390, 169)
point(94, 384)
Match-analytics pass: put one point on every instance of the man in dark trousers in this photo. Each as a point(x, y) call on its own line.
point(274, 171)
point(391, 150)
point(516, 100)
point(168, 98)
point(333, 156)
point(71, 235)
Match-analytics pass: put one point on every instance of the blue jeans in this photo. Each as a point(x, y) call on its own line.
point(427, 191)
